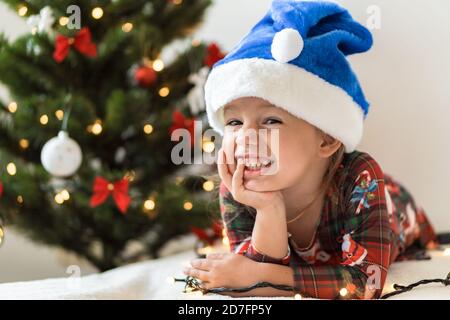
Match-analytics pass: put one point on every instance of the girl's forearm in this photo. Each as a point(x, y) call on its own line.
point(274, 274)
point(270, 235)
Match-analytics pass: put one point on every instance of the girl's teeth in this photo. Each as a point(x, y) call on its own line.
point(257, 165)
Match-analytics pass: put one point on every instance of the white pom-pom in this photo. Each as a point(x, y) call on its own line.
point(287, 45)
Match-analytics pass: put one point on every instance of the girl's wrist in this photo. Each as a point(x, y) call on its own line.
point(274, 208)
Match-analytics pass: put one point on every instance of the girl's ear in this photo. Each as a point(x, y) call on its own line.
point(328, 145)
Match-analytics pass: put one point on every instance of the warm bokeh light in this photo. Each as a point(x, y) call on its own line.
point(149, 204)
point(12, 107)
point(127, 27)
point(208, 185)
point(148, 128)
point(59, 114)
point(188, 205)
point(59, 198)
point(97, 13)
point(226, 241)
point(158, 65)
point(22, 10)
point(65, 195)
point(43, 119)
point(164, 92)
point(196, 42)
point(24, 143)
point(11, 168)
point(19, 199)
point(63, 21)
point(208, 146)
point(97, 127)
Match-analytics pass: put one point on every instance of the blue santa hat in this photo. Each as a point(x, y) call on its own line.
point(295, 58)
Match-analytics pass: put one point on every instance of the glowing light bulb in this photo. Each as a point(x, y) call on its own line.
point(12, 107)
point(63, 21)
point(343, 292)
point(148, 128)
point(127, 27)
point(149, 204)
point(43, 119)
point(97, 13)
point(11, 168)
point(59, 114)
point(158, 65)
point(22, 10)
point(65, 195)
point(97, 127)
point(59, 198)
point(23, 143)
point(188, 205)
point(226, 241)
point(208, 146)
point(164, 92)
point(208, 185)
point(298, 296)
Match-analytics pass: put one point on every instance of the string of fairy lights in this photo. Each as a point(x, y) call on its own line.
point(193, 285)
point(96, 127)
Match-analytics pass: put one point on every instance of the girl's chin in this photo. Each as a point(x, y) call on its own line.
point(255, 185)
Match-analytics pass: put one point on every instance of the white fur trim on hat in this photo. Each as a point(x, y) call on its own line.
point(301, 93)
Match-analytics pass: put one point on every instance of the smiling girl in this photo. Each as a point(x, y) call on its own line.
point(300, 205)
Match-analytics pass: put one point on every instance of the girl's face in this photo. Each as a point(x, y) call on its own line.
point(289, 143)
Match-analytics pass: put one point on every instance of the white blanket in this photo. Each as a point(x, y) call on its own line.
point(150, 280)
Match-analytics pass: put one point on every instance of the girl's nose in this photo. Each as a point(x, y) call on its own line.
point(247, 136)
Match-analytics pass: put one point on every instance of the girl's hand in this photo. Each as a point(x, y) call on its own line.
point(228, 270)
point(235, 183)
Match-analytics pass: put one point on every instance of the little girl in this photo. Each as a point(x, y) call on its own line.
point(301, 206)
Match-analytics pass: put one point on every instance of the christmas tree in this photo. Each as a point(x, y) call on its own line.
point(85, 140)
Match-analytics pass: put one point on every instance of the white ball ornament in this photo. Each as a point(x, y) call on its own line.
point(61, 156)
point(287, 45)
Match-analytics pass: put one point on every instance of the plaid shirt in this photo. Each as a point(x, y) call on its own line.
point(368, 221)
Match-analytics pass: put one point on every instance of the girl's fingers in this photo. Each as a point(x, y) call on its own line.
point(229, 153)
point(238, 178)
point(223, 170)
point(228, 146)
point(215, 256)
point(196, 273)
point(201, 264)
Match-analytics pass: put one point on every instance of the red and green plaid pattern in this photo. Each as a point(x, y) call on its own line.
point(378, 217)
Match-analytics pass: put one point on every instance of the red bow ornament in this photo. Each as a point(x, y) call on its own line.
point(1, 189)
point(82, 42)
point(119, 189)
point(213, 55)
point(179, 121)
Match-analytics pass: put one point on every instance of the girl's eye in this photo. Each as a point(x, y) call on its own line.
point(233, 123)
point(272, 121)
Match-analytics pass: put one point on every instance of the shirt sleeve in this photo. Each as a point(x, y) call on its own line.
point(238, 225)
point(365, 242)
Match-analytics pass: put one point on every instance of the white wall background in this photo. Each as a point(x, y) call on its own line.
point(405, 77)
